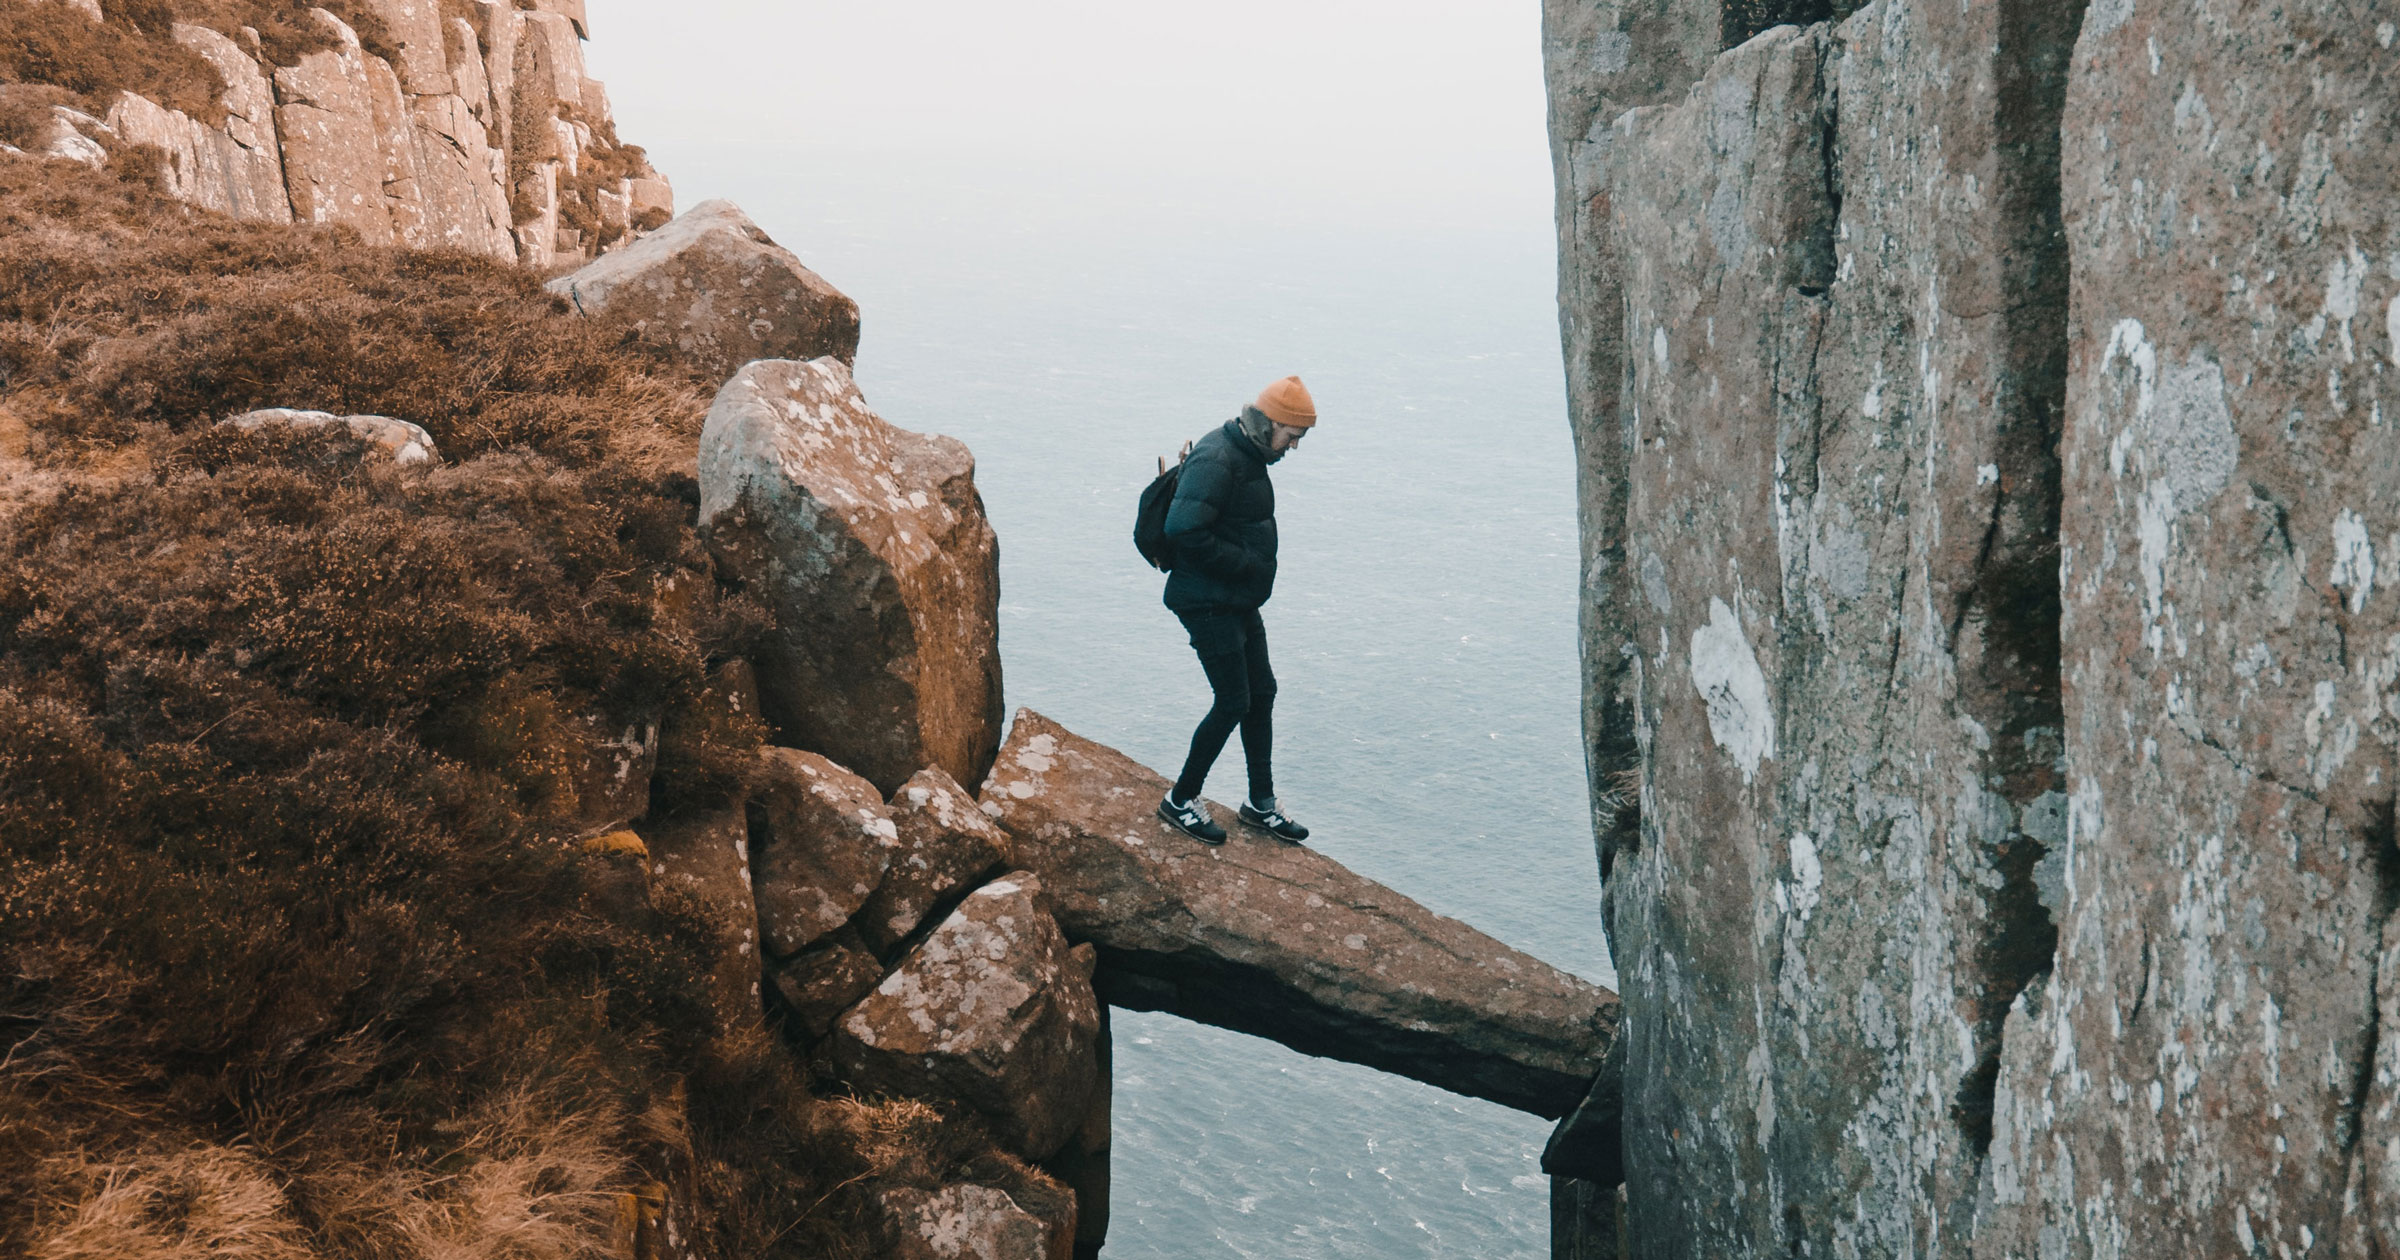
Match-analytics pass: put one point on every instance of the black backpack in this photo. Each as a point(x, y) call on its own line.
point(1150, 519)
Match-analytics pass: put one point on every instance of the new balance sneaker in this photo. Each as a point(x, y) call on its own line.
point(1272, 821)
point(1190, 819)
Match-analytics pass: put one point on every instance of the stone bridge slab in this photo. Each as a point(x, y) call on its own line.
point(1283, 942)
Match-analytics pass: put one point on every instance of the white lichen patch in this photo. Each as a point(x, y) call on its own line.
point(2353, 558)
point(1734, 688)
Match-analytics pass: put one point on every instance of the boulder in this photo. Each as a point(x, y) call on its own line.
point(714, 287)
point(405, 442)
point(964, 1223)
point(947, 845)
point(869, 545)
point(823, 840)
point(1282, 942)
point(705, 860)
point(652, 196)
point(820, 982)
point(995, 1010)
point(74, 136)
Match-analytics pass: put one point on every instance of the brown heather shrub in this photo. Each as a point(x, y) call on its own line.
point(134, 50)
point(299, 955)
point(54, 43)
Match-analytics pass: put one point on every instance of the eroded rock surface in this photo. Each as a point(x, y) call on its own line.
point(823, 841)
point(994, 1009)
point(1281, 941)
point(946, 844)
point(716, 288)
point(2216, 1052)
point(964, 1223)
point(869, 544)
point(1988, 698)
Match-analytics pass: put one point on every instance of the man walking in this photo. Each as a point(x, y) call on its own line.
point(1222, 529)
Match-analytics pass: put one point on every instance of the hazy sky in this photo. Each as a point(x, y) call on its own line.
point(1400, 108)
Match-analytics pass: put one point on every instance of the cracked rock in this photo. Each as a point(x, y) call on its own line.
point(993, 1009)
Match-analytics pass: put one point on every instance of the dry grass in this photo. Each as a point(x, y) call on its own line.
point(298, 955)
point(134, 49)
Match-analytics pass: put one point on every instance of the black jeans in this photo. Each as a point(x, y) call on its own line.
point(1233, 653)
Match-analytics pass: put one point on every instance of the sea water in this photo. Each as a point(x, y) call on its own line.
point(1423, 623)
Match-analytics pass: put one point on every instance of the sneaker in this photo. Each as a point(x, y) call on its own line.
point(1272, 821)
point(1191, 820)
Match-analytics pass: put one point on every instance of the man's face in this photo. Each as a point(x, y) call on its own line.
point(1284, 438)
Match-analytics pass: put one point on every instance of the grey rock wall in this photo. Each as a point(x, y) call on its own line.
point(1989, 708)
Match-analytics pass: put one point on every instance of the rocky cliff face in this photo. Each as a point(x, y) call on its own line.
point(1982, 421)
point(474, 128)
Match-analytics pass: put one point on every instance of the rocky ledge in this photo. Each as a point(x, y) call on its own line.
point(1283, 942)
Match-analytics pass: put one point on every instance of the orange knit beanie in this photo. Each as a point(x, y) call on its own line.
point(1286, 402)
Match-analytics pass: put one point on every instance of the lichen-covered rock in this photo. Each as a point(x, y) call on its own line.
point(947, 845)
point(1281, 941)
point(964, 1223)
point(870, 546)
point(2214, 1059)
point(406, 443)
point(823, 840)
point(1840, 491)
point(993, 1009)
point(1997, 640)
point(415, 30)
point(333, 155)
point(705, 861)
point(714, 287)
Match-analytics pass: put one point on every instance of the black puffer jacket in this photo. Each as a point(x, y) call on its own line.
point(1222, 526)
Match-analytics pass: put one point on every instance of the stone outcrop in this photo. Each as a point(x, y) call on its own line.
point(946, 845)
point(1282, 942)
point(714, 287)
point(237, 168)
point(405, 442)
point(426, 150)
point(704, 860)
point(823, 841)
point(1987, 689)
point(993, 1009)
point(869, 545)
point(965, 1222)
point(70, 135)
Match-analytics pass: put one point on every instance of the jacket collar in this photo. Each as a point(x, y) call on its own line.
point(1241, 442)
